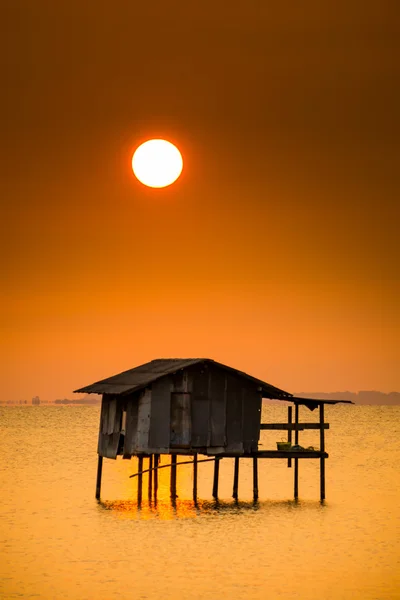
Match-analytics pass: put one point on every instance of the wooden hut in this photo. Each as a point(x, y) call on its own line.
point(190, 407)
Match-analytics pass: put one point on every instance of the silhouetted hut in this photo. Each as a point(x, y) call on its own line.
point(190, 407)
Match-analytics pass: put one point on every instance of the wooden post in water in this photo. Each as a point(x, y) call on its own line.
point(156, 461)
point(195, 477)
point(150, 484)
point(289, 435)
point(255, 478)
point(98, 480)
point(173, 476)
point(296, 460)
point(140, 480)
point(216, 477)
point(322, 449)
point(236, 479)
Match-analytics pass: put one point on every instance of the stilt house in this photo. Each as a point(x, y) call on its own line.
point(190, 407)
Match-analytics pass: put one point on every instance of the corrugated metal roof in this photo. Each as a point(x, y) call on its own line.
point(141, 376)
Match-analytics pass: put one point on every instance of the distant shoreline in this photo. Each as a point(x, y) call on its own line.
point(361, 398)
point(87, 401)
point(51, 403)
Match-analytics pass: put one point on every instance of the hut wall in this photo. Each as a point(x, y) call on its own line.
point(180, 410)
point(143, 423)
point(200, 409)
point(200, 413)
point(225, 411)
point(217, 380)
point(251, 402)
point(130, 443)
point(159, 436)
point(110, 426)
point(181, 430)
point(234, 414)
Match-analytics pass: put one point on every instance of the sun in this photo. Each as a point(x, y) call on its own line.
point(157, 163)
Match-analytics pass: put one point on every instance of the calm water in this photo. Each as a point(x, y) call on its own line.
point(57, 542)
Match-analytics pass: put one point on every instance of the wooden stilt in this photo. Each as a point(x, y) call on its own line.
point(296, 460)
point(236, 479)
point(216, 477)
point(322, 449)
point(99, 473)
point(184, 462)
point(289, 437)
point(255, 478)
point(173, 476)
point(156, 461)
point(150, 484)
point(195, 477)
point(296, 420)
point(140, 480)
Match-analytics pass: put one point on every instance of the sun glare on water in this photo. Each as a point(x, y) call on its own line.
point(157, 163)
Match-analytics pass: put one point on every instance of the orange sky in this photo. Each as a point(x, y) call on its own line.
point(276, 252)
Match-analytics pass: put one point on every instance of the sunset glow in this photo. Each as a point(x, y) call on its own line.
point(275, 249)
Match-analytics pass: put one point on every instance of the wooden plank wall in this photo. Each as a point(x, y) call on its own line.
point(132, 405)
point(181, 382)
point(180, 420)
point(234, 414)
point(220, 413)
point(160, 415)
point(110, 426)
point(143, 428)
point(200, 409)
point(251, 418)
point(217, 423)
point(180, 414)
point(103, 424)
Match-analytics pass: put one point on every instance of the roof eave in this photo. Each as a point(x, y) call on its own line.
point(318, 401)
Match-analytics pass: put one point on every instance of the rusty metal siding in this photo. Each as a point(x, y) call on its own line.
point(160, 415)
point(234, 415)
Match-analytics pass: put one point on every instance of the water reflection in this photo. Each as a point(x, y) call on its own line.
point(188, 509)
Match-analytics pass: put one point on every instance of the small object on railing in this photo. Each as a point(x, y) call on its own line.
point(283, 446)
point(298, 448)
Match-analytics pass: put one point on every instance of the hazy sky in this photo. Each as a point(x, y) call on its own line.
point(276, 252)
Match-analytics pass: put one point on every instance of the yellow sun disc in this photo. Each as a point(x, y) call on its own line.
point(157, 163)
